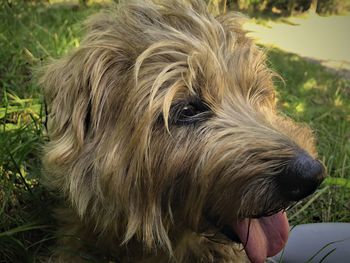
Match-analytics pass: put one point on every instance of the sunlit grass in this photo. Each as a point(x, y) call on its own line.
point(324, 38)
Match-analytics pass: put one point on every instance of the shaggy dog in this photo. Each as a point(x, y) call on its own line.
point(165, 142)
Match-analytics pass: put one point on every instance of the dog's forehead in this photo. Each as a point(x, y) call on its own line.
point(187, 25)
point(211, 51)
point(159, 50)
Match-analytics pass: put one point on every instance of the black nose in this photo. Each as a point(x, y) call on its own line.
point(301, 177)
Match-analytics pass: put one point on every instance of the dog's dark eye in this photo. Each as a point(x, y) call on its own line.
point(189, 112)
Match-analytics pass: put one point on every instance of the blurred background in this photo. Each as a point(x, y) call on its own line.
point(307, 43)
point(282, 7)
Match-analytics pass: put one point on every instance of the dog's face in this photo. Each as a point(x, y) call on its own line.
point(166, 114)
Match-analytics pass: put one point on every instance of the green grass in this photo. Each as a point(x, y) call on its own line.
point(322, 100)
point(31, 33)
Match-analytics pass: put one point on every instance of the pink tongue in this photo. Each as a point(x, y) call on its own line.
point(267, 236)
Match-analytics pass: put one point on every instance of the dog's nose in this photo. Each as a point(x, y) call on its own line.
point(301, 177)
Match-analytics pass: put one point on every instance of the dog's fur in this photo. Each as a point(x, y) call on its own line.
point(138, 178)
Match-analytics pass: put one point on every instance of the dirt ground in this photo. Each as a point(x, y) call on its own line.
point(324, 40)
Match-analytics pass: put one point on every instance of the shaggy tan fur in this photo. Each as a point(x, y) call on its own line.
point(136, 182)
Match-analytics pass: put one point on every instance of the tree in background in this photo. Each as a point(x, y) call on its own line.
point(283, 7)
point(313, 6)
point(217, 6)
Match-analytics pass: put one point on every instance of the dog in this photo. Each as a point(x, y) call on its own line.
point(166, 144)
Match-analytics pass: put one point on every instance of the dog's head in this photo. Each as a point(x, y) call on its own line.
point(165, 114)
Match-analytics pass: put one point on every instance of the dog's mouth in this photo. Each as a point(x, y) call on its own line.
point(261, 237)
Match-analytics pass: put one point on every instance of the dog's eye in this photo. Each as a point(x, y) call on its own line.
point(186, 114)
point(189, 112)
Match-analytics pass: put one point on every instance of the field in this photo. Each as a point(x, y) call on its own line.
point(30, 34)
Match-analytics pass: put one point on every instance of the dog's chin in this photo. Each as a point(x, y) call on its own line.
point(261, 237)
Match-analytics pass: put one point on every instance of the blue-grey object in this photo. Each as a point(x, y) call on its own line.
point(314, 243)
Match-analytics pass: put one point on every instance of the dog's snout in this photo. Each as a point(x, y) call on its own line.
point(301, 177)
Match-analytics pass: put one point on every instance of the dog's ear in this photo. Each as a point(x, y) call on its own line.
point(66, 88)
point(84, 92)
point(81, 86)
